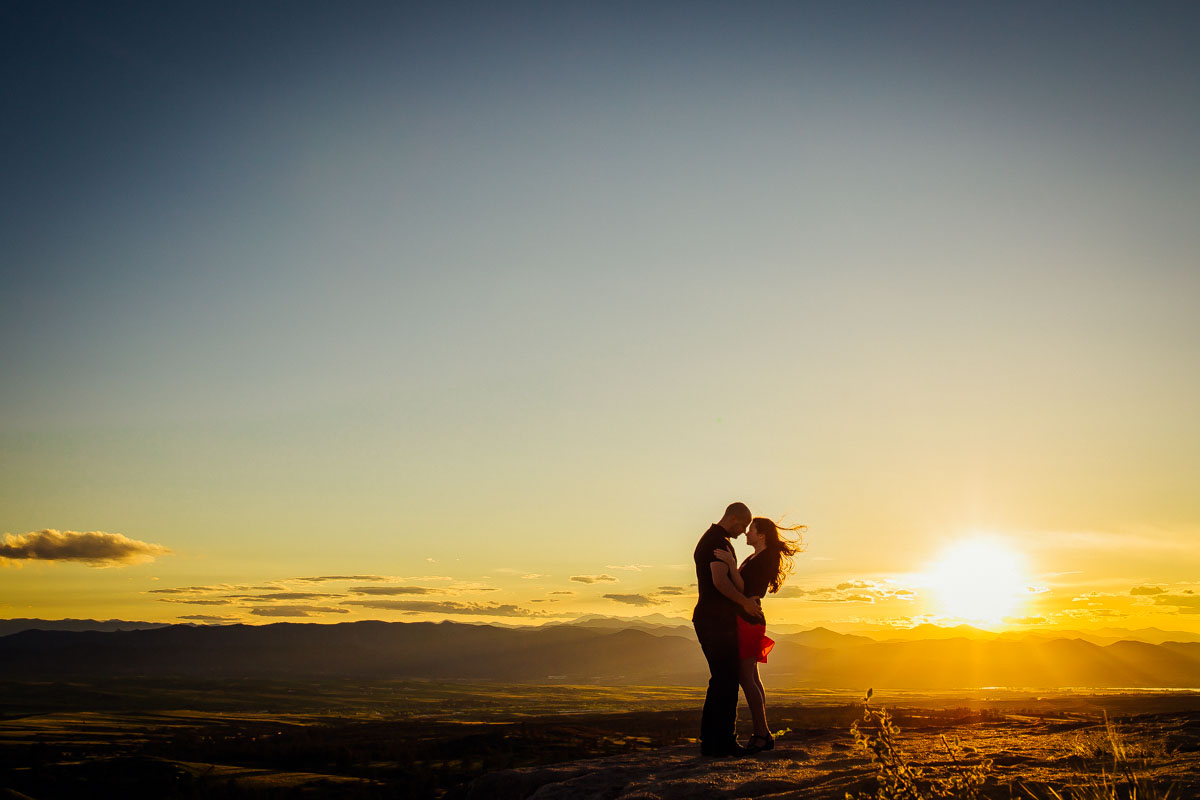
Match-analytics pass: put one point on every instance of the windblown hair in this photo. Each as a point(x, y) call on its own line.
point(781, 549)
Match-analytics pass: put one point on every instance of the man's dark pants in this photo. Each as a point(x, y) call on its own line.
point(718, 639)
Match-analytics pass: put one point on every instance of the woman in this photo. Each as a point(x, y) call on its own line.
point(763, 570)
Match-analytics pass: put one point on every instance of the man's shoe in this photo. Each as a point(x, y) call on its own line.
point(731, 750)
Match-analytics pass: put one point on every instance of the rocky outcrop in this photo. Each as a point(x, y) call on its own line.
point(818, 768)
point(1163, 751)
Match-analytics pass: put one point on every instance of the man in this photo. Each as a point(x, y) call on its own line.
point(715, 621)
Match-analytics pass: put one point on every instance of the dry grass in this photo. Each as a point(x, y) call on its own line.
point(1113, 766)
point(1123, 762)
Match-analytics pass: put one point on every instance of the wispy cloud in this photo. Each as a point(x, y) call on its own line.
point(295, 611)
point(448, 607)
point(207, 618)
point(95, 548)
point(855, 591)
point(391, 590)
point(627, 567)
point(1147, 590)
point(284, 596)
point(671, 591)
point(594, 579)
point(525, 574)
point(218, 587)
point(1186, 603)
point(324, 578)
point(1121, 541)
point(197, 601)
point(633, 599)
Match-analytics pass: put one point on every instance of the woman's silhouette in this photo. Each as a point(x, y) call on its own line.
point(763, 570)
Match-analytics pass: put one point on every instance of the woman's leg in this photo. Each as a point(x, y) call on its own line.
point(752, 688)
point(766, 729)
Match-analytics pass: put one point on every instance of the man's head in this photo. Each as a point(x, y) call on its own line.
point(736, 519)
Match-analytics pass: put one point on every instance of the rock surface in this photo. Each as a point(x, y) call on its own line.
point(824, 765)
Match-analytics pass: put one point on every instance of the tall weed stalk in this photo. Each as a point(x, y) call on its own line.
point(898, 778)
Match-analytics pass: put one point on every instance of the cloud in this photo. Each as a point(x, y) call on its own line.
point(846, 598)
point(323, 578)
point(627, 567)
point(1147, 590)
point(390, 590)
point(284, 596)
point(1188, 603)
point(562, 592)
point(95, 548)
point(206, 618)
point(448, 607)
point(1025, 620)
point(856, 591)
point(671, 590)
point(295, 611)
point(220, 587)
point(197, 601)
point(528, 576)
point(633, 599)
point(855, 585)
point(1085, 614)
point(594, 578)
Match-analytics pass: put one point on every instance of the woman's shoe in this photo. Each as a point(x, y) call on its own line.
point(759, 743)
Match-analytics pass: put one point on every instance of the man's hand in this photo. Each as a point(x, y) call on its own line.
point(753, 606)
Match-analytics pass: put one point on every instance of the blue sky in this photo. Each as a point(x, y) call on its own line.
point(540, 287)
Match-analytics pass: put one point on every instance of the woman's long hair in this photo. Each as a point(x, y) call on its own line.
point(782, 549)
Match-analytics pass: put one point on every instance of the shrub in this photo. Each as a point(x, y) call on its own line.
point(898, 778)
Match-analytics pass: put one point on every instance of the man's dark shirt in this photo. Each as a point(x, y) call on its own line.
point(712, 604)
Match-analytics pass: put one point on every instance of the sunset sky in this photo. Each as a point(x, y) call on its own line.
point(484, 312)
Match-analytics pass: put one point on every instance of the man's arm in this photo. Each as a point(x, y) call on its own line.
point(721, 580)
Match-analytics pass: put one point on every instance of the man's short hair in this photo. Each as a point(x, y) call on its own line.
point(737, 510)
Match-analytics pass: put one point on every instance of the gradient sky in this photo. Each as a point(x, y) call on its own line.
point(475, 299)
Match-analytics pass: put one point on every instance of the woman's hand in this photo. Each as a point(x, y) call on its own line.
point(727, 557)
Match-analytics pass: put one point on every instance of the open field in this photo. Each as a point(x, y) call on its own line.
point(409, 739)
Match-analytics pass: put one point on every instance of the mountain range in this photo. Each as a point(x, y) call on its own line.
point(19, 624)
point(595, 651)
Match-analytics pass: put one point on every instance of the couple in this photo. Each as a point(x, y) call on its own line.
point(730, 625)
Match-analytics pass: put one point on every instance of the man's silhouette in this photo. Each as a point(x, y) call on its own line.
point(715, 621)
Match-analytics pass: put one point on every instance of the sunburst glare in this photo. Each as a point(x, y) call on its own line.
point(982, 579)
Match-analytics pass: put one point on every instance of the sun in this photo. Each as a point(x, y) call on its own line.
point(978, 580)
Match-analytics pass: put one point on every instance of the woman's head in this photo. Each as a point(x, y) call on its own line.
point(776, 545)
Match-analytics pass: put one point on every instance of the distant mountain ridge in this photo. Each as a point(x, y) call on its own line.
point(9, 626)
point(581, 654)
